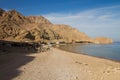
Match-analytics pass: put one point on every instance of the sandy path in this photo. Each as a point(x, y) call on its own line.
point(62, 65)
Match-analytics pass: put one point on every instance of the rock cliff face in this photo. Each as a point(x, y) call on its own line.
point(15, 26)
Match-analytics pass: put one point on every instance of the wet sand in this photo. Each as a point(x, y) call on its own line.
point(61, 65)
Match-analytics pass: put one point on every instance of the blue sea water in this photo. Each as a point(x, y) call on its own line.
point(108, 51)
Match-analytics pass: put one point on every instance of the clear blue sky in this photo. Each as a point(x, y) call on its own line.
point(94, 17)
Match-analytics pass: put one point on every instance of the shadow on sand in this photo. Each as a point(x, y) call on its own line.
point(11, 61)
point(9, 64)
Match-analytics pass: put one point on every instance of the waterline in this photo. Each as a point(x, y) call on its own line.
point(108, 51)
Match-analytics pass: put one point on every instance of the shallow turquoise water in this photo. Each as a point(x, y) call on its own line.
point(108, 51)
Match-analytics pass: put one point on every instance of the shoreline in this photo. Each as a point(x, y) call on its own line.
point(89, 55)
point(58, 64)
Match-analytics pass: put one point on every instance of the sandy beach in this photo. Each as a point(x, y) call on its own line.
point(57, 65)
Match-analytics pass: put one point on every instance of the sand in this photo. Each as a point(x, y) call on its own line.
point(60, 65)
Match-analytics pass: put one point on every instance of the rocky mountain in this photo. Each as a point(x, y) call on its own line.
point(15, 26)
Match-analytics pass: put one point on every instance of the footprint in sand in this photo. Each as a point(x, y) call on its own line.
point(117, 68)
point(86, 64)
point(109, 70)
point(81, 63)
point(78, 62)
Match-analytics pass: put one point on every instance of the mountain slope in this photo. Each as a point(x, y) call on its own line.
point(15, 26)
